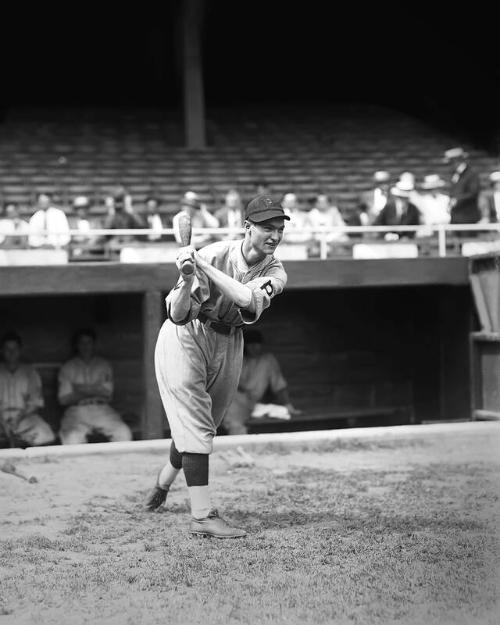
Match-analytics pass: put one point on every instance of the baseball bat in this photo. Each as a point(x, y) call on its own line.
point(184, 230)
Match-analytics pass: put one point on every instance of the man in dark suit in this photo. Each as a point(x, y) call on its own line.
point(399, 211)
point(464, 188)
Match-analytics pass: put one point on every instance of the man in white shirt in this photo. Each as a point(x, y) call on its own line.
point(231, 214)
point(85, 389)
point(432, 203)
point(298, 220)
point(20, 399)
point(324, 214)
point(200, 218)
point(13, 229)
point(153, 218)
point(260, 373)
point(51, 219)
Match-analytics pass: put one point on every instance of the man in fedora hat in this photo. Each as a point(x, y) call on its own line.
point(433, 204)
point(490, 200)
point(464, 188)
point(201, 217)
point(399, 211)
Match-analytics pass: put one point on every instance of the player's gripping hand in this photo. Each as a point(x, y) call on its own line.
point(186, 263)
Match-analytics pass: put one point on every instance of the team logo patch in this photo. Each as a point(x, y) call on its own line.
point(268, 288)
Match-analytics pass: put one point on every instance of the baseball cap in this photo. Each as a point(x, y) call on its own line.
point(264, 207)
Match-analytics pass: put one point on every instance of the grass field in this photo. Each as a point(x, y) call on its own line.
point(402, 529)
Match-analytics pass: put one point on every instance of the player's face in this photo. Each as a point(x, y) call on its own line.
point(85, 347)
point(11, 352)
point(266, 236)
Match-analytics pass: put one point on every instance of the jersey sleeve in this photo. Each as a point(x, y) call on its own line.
point(264, 288)
point(200, 292)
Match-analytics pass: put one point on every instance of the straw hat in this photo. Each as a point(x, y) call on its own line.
point(433, 181)
point(401, 190)
point(381, 176)
point(453, 153)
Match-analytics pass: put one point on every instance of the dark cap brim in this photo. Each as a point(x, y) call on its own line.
point(271, 213)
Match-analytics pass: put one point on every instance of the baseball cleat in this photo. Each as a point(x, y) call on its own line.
point(214, 525)
point(156, 498)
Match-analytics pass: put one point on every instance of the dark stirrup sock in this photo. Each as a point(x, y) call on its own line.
point(175, 457)
point(195, 469)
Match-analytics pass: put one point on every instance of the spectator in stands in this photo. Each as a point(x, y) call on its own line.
point(48, 227)
point(374, 200)
point(260, 374)
point(20, 399)
point(13, 229)
point(200, 218)
point(86, 389)
point(231, 213)
point(262, 188)
point(152, 218)
point(464, 189)
point(82, 221)
point(434, 205)
point(399, 211)
point(324, 214)
point(407, 181)
point(299, 219)
point(490, 200)
point(122, 216)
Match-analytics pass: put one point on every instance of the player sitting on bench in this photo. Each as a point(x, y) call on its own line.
point(20, 399)
point(86, 388)
point(260, 372)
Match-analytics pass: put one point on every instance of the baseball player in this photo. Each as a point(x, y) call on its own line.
point(260, 373)
point(199, 350)
point(85, 389)
point(21, 398)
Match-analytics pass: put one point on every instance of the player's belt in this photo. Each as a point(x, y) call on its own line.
point(216, 326)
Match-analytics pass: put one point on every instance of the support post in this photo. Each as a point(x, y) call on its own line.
point(455, 324)
point(153, 417)
point(192, 69)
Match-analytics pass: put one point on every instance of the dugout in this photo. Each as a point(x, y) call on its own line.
point(360, 342)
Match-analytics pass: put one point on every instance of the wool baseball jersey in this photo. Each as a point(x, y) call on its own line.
point(97, 371)
point(265, 279)
point(20, 389)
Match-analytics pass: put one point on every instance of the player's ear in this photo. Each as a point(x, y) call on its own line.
point(247, 224)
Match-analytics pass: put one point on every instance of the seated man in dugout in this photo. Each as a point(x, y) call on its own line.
point(260, 373)
point(86, 389)
point(20, 399)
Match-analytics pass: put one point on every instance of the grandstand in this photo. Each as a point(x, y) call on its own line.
point(332, 149)
point(358, 337)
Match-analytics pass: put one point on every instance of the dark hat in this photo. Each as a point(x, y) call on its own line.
point(264, 207)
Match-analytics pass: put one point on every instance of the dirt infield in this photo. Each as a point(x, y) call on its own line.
point(402, 529)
